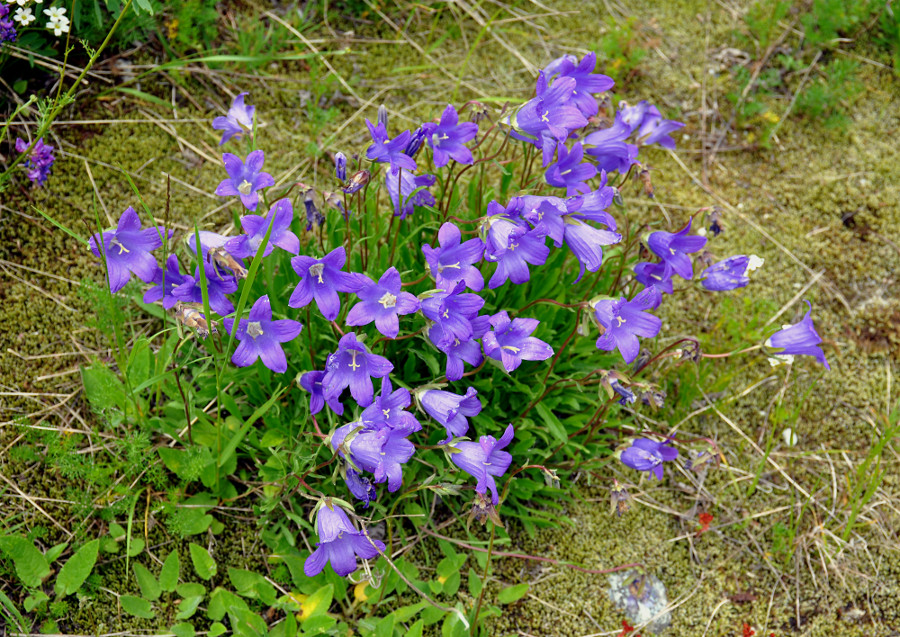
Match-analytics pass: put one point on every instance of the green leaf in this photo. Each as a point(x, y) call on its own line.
point(55, 551)
point(139, 361)
point(511, 594)
point(183, 630)
point(12, 613)
point(77, 569)
point(216, 629)
point(35, 599)
point(102, 388)
point(31, 565)
point(188, 606)
point(556, 428)
point(222, 602)
point(150, 588)
point(171, 569)
point(137, 606)
point(385, 627)
point(236, 439)
point(250, 584)
point(319, 602)
point(204, 564)
point(474, 583)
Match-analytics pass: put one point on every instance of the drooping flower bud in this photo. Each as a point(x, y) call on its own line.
point(340, 166)
point(383, 115)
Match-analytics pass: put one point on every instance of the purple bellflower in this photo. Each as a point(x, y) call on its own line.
point(551, 116)
point(126, 250)
point(164, 284)
point(450, 410)
point(609, 148)
point(339, 543)
point(513, 246)
point(587, 241)
point(7, 28)
point(340, 166)
point(383, 302)
point(280, 216)
point(459, 350)
point(382, 451)
point(623, 321)
point(568, 172)
point(511, 342)
point(656, 130)
point(238, 122)
point(454, 260)
point(484, 460)
point(731, 273)
point(658, 275)
point(453, 311)
point(673, 248)
point(353, 366)
point(191, 289)
point(261, 337)
point(39, 162)
point(389, 409)
point(312, 382)
point(401, 188)
point(392, 151)
point(360, 486)
point(415, 141)
point(586, 81)
point(800, 339)
point(322, 279)
point(245, 179)
point(648, 455)
point(448, 138)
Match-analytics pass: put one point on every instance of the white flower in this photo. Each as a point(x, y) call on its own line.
point(56, 14)
point(57, 27)
point(21, 3)
point(23, 16)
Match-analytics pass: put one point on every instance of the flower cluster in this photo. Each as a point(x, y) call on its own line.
point(57, 21)
point(39, 162)
point(7, 28)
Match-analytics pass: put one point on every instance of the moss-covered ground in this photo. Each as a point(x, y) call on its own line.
point(820, 205)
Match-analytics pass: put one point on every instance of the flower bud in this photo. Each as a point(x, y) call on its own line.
point(340, 166)
point(359, 179)
point(383, 116)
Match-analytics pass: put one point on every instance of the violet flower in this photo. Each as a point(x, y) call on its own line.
point(261, 337)
point(511, 342)
point(322, 279)
point(126, 250)
point(450, 410)
point(458, 350)
point(191, 289)
point(312, 382)
point(383, 302)
point(401, 187)
point(623, 321)
point(238, 122)
point(339, 543)
point(648, 455)
point(389, 409)
point(609, 148)
point(673, 248)
point(454, 260)
point(7, 28)
point(415, 141)
point(586, 242)
point(383, 452)
point(340, 166)
point(731, 273)
point(586, 81)
point(800, 339)
point(484, 460)
point(656, 130)
point(385, 149)
point(280, 216)
point(568, 172)
point(658, 275)
point(551, 116)
point(453, 310)
point(245, 179)
point(39, 162)
point(448, 138)
point(163, 288)
point(360, 486)
point(353, 366)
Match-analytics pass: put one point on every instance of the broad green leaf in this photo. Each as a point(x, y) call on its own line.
point(319, 602)
point(217, 629)
point(150, 588)
point(204, 564)
point(139, 361)
point(556, 428)
point(35, 599)
point(183, 630)
point(385, 627)
point(102, 388)
point(474, 583)
point(171, 569)
point(31, 565)
point(251, 584)
point(511, 594)
point(137, 606)
point(77, 569)
point(222, 602)
point(188, 606)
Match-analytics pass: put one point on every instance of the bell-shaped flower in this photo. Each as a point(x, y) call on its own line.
point(586, 242)
point(322, 279)
point(383, 452)
point(126, 250)
point(648, 455)
point(658, 275)
point(587, 83)
point(353, 366)
point(312, 382)
point(458, 350)
point(731, 273)
point(449, 409)
point(238, 122)
point(339, 543)
point(569, 172)
point(455, 260)
point(164, 283)
point(245, 179)
point(383, 302)
point(261, 337)
point(389, 410)
point(401, 187)
point(623, 321)
point(280, 216)
point(510, 341)
point(673, 248)
point(609, 148)
point(218, 285)
point(448, 138)
point(385, 149)
point(453, 311)
point(360, 486)
point(484, 460)
point(800, 339)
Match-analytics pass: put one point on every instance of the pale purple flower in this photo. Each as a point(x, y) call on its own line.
point(523, 247)
point(453, 311)
point(312, 382)
point(339, 543)
point(218, 286)
point(448, 138)
point(454, 260)
point(261, 337)
point(340, 166)
point(389, 410)
point(382, 303)
point(322, 279)
point(238, 122)
point(609, 148)
point(353, 366)
point(568, 172)
point(623, 321)
point(510, 341)
point(587, 82)
point(730, 274)
point(245, 179)
point(657, 275)
point(450, 410)
point(164, 284)
point(39, 162)
point(381, 451)
point(459, 351)
point(415, 141)
point(402, 185)
point(552, 115)
point(648, 455)
point(126, 250)
point(280, 216)
point(673, 248)
point(800, 339)
point(392, 151)
point(484, 460)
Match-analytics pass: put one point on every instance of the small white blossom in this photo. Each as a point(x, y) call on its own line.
point(23, 16)
point(57, 27)
point(56, 14)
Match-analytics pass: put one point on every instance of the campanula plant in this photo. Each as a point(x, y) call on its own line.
point(505, 331)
